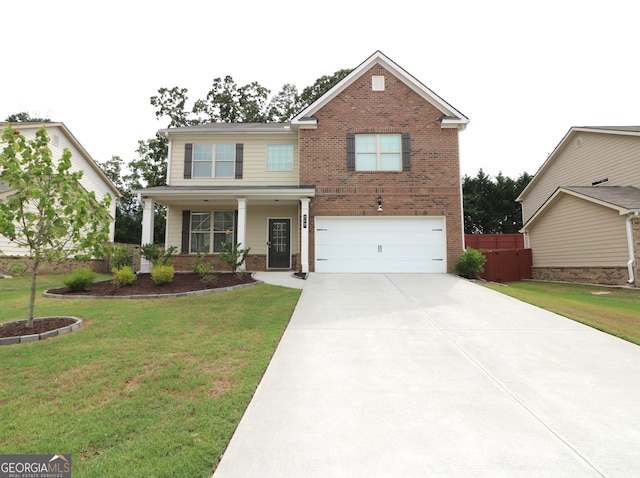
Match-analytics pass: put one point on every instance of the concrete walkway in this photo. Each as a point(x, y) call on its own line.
point(433, 376)
point(284, 279)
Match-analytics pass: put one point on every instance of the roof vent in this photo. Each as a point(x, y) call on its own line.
point(377, 83)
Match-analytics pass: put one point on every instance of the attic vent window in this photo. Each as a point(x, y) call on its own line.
point(377, 83)
point(55, 140)
point(600, 181)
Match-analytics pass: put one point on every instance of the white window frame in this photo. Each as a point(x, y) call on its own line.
point(205, 233)
point(278, 163)
point(380, 155)
point(229, 233)
point(202, 154)
point(214, 158)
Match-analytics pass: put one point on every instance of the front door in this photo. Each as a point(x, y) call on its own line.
point(279, 245)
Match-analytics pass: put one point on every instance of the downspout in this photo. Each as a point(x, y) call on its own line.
point(630, 216)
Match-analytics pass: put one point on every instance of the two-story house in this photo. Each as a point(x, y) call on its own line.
point(365, 179)
point(581, 211)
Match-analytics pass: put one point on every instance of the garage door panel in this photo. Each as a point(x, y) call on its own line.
point(349, 250)
point(380, 245)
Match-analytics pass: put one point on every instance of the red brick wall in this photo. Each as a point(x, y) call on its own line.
point(431, 188)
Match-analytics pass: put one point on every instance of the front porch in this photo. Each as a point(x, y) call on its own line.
point(271, 221)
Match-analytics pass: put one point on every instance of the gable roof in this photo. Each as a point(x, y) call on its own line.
point(451, 118)
point(623, 199)
point(568, 138)
point(72, 139)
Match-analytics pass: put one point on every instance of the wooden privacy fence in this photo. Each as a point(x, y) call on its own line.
point(507, 265)
point(507, 259)
point(484, 242)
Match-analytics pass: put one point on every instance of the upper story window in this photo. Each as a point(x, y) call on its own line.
point(214, 160)
point(378, 152)
point(279, 157)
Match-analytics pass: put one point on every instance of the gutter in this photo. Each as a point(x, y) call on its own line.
point(630, 216)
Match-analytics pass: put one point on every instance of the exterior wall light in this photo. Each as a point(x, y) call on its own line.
point(379, 203)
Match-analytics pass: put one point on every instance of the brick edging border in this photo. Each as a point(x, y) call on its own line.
point(45, 335)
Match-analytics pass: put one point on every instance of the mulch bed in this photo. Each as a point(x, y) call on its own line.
point(144, 285)
point(18, 329)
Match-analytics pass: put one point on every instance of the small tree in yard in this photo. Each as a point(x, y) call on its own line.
point(234, 256)
point(47, 211)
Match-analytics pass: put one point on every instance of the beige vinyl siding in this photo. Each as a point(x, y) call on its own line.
point(574, 232)
point(258, 226)
point(257, 233)
point(174, 228)
point(585, 158)
point(254, 160)
point(8, 248)
point(91, 179)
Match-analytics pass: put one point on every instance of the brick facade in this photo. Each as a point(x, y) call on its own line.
point(253, 263)
point(430, 188)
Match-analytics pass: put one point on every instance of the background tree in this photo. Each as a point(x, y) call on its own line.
point(490, 205)
point(320, 87)
point(24, 117)
point(128, 228)
point(227, 102)
point(285, 104)
point(48, 212)
point(150, 170)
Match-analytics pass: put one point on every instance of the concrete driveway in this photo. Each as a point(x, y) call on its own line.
point(434, 376)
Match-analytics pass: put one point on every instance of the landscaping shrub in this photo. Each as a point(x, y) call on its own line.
point(157, 255)
point(203, 268)
point(121, 256)
point(80, 279)
point(162, 274)
point(124, 275)
point(470, 263)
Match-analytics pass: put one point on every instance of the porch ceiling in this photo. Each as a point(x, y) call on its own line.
point(189, 195)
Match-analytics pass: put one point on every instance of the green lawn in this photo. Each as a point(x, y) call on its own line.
point(146, 388)
point(612, 310)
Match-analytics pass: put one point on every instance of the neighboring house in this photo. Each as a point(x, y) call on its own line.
point(365, 179)
point(581, 210)
point(93, 178)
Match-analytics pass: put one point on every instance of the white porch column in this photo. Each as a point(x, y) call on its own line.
point(242, 226)
point(148, 213)
point(304, 236)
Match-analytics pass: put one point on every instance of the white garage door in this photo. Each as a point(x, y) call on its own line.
point(380, 245)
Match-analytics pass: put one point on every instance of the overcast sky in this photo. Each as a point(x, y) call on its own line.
point(522, 72)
